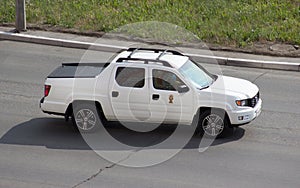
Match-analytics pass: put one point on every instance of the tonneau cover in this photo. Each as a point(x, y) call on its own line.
point(78, 70)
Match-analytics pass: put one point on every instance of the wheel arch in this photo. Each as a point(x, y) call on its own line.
point(69, 110)
point(205, 108)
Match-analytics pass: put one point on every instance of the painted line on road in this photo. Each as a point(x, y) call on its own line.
point(112, 48)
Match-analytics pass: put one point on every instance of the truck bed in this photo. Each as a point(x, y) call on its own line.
point(78, 70)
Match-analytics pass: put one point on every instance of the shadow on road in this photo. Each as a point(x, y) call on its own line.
point(55, 133)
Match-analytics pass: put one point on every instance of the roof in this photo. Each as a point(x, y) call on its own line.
point(175, 61)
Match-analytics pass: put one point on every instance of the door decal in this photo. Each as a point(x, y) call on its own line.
point(171, 98)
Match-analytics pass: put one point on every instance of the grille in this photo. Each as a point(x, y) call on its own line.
point(253, 101)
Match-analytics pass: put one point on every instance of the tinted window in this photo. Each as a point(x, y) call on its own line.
point(165, 80)
point(130, 77)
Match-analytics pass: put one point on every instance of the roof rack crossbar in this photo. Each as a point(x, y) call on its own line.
point(133, 51)
point(155, 50)
point(146, 61)
point(160, 55)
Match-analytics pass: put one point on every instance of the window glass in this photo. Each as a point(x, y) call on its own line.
point(165, 80)
point(196, 75)
point(130, 77)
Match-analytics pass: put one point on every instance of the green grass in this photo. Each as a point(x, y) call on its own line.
point(225, 22)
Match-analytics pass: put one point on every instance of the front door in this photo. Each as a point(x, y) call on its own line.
point(166, 103)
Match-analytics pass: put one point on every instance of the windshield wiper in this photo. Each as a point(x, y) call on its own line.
point(204, 87)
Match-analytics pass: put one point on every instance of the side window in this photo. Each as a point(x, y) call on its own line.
point(165, 80)
point(130, 77)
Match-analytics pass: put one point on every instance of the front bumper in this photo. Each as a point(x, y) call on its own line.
point(245, 115)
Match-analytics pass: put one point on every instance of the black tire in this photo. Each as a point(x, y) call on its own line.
point(214, 124)
point(86, 117)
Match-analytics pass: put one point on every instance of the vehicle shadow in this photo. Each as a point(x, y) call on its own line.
point(55, 133)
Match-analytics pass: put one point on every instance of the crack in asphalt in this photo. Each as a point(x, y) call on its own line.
point(93, 176)
point(102, 169)
point(107, 167)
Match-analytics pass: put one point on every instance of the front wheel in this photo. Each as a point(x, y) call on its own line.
point(85, 117)
point(214, 123)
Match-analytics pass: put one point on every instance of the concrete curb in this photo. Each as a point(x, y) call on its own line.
point(58, 42)
point(248, 62)
point(111, 48)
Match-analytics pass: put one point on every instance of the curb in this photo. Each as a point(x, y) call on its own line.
point(248, 62)
point(111, 48)
point(58, 42)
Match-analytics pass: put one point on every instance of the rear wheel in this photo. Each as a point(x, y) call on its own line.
point(214, 123)
point(85, 117)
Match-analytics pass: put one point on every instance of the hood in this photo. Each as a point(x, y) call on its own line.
point(235, 86)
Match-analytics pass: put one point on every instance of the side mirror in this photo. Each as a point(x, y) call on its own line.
point(182, 89)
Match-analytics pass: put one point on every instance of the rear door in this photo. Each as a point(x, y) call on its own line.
point(130, 93)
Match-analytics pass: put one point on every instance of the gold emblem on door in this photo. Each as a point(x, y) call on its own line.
point(171, 98)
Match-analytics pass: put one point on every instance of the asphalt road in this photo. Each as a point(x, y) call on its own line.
point(37, 150)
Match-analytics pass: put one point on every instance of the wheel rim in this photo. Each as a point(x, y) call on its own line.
point(213, 125)
point(85, 119)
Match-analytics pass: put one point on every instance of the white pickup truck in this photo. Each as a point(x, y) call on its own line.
point(150, 86)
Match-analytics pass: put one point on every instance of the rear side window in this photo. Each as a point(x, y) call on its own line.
point(130, 77)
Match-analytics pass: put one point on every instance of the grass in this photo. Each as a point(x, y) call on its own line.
point(225, 22)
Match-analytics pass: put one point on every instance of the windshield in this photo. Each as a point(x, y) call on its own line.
point(199, 77)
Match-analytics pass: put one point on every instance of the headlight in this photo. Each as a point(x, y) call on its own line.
point(242, 102)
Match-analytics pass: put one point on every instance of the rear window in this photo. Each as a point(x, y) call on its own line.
point(130, 77)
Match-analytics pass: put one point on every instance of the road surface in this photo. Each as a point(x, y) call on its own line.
point(38, 150)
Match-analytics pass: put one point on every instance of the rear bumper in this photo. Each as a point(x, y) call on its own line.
point(52, 108)
point(42, 101)
point(245, 115)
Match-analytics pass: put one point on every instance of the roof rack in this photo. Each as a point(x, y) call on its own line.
point(133, 51)
point(155, 50)
point(146, 61)
point(86, 64)
point(160, 55)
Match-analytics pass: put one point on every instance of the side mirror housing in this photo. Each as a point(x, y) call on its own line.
point(182, 89)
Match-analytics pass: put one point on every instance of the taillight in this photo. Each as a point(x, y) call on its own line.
point(47, 90)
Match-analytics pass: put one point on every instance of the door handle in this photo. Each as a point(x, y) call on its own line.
point(115, 94)
point(155, 96)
